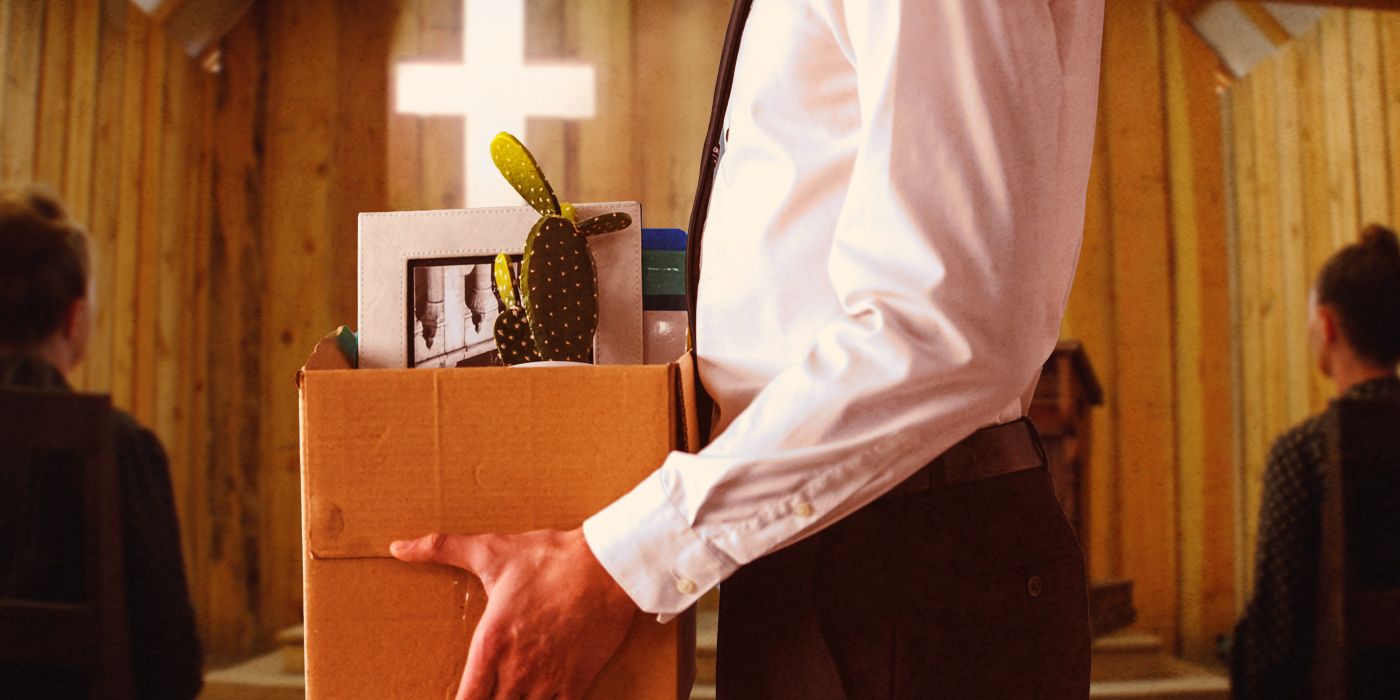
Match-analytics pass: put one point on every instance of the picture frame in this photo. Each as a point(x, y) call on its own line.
point(394, 315)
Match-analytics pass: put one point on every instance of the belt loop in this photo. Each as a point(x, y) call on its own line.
point(1035, 438)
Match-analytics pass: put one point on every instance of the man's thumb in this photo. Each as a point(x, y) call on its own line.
point(428, 549)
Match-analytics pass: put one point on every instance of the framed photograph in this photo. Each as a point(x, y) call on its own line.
point(427, 295)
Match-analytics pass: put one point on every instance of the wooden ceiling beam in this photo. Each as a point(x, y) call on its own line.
point(1264, 21)
point(1355, 4)
point(1187, 8)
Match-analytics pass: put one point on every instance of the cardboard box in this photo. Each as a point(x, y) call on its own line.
point(391, 454)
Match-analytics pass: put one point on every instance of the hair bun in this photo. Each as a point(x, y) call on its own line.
point(1380, 239)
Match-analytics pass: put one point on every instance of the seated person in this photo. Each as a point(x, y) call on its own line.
point(1354, 331)
point(45, 319)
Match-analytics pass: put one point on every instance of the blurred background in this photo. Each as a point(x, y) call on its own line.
point(219, 151)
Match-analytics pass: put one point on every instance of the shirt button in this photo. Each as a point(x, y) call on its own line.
point(685, 586)
point(1033, 586)
point(803, 510)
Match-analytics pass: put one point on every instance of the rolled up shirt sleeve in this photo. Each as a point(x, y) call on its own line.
point(952, 259)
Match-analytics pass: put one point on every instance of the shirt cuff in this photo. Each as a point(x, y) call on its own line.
point(649, 548)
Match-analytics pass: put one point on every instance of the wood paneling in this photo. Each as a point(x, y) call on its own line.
point(1136, 137)
point(1314, 130)
point(1151, 305)
point(222, 212)
point(1202, 370)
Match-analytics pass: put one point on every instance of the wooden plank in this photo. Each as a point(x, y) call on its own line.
point(171, 287)
point(228, 529)
point(403, 145)
point(442, 140)
point(196, 220)
point(1187, 8)
point(103, 222)
point(1248, 279)
point(360, 155)
point(1186, 318)
point(1390, 77)
point(1357, 4)
point(128, 231)
point(604, 157)
point(4, 54)
point(1264, 21)
point(1341, 140)
point(49, 134)
point(1214, 367)
point(82, 102)
point(1142, 286)
point(1368, 110)
point(1089, 318)
point(302, 105)
point(1202, 316)
point(145, 302)
point(82, 107)
point(553, 141)
point(1317, 201)
point(678, 47)
point(1294, 377)
point(1270, 300)
point(24, 49)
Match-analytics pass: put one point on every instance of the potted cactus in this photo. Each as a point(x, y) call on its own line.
point(554, 315)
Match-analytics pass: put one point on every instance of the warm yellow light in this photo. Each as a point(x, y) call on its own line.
point(493, 90)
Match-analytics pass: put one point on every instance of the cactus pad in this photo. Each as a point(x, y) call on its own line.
point(522, 172)
point(560, 290)
point(512, 330)
point(604, 223)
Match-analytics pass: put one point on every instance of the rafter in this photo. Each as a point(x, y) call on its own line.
point(1265, 21)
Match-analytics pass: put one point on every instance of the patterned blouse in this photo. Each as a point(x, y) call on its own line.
point(1273, 643)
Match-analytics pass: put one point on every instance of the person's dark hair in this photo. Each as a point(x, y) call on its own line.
point(1362, 283)
point(43, 265)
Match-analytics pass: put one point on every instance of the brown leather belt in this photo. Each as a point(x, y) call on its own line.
point(994, 451)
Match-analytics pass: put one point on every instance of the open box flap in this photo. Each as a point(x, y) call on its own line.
point(392, 466)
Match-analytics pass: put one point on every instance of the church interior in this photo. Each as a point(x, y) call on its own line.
point(219, 152)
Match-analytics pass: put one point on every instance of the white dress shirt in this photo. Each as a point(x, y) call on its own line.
point(891, 239)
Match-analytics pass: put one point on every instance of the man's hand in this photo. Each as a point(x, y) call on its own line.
point(553, 614)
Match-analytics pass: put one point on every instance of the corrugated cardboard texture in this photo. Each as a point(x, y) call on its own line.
point(389, 454)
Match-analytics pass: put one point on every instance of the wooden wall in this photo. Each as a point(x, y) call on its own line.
point(655, 64)
point(1150, 304)
point(222, 211)
point(1315, 138)
point(221, 208)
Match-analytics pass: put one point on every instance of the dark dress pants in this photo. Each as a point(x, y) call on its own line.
point(972, 591)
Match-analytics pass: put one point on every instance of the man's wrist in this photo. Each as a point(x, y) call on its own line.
point(650, 550)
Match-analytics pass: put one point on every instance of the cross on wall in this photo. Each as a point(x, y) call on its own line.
point(493, 90)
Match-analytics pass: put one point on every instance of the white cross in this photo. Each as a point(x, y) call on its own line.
point(494, 91)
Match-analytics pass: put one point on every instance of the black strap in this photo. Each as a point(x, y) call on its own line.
point(709, 160)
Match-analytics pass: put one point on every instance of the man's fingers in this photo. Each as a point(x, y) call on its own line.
point(461, 551)
point(479, 675)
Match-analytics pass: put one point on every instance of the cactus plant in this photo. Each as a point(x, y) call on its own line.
point(557, 311)
point(513, 340)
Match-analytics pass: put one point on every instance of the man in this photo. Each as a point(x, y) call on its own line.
point(45, 320)
point(1354, 333)
point(893, 197)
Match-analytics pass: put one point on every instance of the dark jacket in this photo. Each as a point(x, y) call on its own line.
point(37, 543)
point(1272, 651)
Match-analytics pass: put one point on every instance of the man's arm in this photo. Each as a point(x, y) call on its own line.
point(952, 259)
